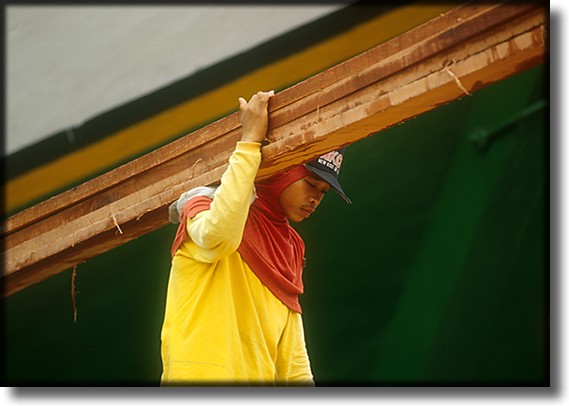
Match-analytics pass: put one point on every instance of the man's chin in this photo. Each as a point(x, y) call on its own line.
point(296, 219)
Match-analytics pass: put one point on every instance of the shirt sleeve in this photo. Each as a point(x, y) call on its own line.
point(217, 232)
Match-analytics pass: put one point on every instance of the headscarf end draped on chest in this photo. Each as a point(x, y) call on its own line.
point(270, 246)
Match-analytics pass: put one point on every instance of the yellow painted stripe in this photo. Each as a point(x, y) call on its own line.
point(148, 133)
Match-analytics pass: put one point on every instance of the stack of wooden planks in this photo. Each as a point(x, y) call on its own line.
point(447, 58)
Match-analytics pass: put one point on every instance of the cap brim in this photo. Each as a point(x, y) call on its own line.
point(330, 179)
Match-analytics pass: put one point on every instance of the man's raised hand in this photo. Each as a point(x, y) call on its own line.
point(255, 116)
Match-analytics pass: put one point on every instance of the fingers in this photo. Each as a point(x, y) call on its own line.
point(264, 96)
point(259, 97)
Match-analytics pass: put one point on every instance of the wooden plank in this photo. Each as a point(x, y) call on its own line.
point(447, 58)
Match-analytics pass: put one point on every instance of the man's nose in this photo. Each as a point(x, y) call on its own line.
point(316, 198)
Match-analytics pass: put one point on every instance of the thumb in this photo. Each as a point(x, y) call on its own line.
point(242, 102)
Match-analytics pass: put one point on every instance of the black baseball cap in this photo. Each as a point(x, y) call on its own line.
point(327, 167)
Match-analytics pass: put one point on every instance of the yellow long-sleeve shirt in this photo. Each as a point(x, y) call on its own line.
point(222, 325)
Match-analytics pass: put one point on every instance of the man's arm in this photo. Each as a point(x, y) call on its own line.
point(217, 232)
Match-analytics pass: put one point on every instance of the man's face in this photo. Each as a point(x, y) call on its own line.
point(301, 198)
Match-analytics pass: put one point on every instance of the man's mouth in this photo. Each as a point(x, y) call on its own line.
point(307, 211)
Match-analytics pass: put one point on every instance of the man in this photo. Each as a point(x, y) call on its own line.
point(232, 311)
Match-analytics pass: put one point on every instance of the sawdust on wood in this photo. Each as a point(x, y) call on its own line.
point(115, 221)
point(457, 80)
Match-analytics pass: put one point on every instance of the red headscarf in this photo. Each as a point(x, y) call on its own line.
point(270, 246)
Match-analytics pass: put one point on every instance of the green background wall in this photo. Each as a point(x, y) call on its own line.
point(438, 274)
